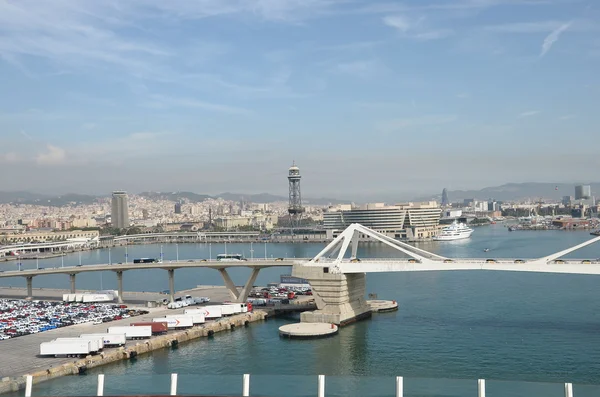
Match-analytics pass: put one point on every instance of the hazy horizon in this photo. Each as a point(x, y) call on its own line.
point(370, 98)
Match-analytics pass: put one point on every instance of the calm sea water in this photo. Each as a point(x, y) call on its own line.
point(452, 328)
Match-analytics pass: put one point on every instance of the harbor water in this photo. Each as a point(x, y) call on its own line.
point(452, 328)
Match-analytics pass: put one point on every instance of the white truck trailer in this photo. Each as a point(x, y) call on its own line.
point(238, 307)
point(197, 318)
point(226, 310)
point(176, 321)
point(210, 312)
point(89, 298)
point(131, 332)
point(96, 344)
point(69, 348)
point(110, 340)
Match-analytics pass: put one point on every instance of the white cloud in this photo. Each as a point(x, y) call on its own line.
point(412, 122)
point(553, 38)
point(10, 157)
point(361, 68)
point(567, 117)
point(161, 101)
point(53, 156)
point(414, 29)
point(530, 113)
point(398, 21)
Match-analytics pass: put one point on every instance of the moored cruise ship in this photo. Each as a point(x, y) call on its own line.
point(456, 231)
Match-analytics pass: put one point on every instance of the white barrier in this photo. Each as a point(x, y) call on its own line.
point(100, 391)
point(173, 384)
point(246, 385)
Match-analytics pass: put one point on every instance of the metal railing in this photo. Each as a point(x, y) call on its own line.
point(399, 386)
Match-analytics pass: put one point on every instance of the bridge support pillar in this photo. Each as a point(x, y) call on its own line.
point(340, 298)
point(229, 284)
point(243, 296)
point(29, 287)
point(120, 286)
point(171, 285)
point(72, 277)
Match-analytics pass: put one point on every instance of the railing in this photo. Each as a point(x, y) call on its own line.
point(476, 388)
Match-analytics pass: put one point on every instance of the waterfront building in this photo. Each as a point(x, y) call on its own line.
point(120, 211)
point(410, 221)
point(43, 237)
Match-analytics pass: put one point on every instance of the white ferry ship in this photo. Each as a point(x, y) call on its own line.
point(456, 231)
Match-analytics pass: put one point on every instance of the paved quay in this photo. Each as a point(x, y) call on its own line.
point(20, 355)
point(308, 330)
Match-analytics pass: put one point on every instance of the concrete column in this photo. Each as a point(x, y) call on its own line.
point(248, 287)
point(171, 284)
point(120, 286)
point(229, 284)
point(29, 286)
point(72, 276)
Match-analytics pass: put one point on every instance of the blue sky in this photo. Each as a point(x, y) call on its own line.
point(370, 98)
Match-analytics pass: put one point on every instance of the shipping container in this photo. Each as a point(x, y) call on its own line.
point(110, 340)
point(80, 348)
point(65, 297)
point(158, 328)
point(72, 297)
point(132, 332)
point(176, 322)
point(89, 298)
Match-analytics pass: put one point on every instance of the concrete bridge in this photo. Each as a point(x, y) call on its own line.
point(170, 267)
point(338, 277)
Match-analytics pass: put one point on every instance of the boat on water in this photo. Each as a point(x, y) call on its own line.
point(456, 231)
point(595, 233)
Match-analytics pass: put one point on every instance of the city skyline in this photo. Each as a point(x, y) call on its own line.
point(397, 98)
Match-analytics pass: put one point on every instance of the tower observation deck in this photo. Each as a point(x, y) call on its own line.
point(295, 208)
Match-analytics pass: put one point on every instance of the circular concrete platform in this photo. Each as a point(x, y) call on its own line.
point(381, 306)
point(307, 330)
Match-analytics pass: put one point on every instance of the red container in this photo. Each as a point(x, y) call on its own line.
point(157, 328)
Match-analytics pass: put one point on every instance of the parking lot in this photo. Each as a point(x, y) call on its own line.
point(21, 317)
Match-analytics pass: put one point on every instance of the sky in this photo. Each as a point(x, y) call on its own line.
point(368, 97)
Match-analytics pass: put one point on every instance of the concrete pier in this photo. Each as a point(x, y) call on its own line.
point(49, 368)
point(171, 285)
point(308, 330)
point(340, 298)
point(29, 287)
point(382, 306)
point(72, 277)
point(120, 286)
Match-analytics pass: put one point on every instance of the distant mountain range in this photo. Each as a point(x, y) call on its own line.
point(514, 192)
point(81, 199)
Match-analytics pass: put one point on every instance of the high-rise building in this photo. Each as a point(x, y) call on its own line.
point(178, 208)
point(445, 200)
point(120, 211)
point(295, 208)
point(583, 192)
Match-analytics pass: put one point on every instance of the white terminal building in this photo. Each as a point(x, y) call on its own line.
point(410, 221)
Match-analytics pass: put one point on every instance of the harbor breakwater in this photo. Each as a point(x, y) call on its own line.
point(80, 366)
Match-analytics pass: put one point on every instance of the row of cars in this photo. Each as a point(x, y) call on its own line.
point(21, 317)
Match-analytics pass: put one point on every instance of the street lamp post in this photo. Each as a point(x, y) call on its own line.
point(37, 262)
point(177, 250)
point(109, 261)
point(126, 254)
point(251, 251)
point(161, 253)
point(265, 250)
point(210, 251)
point(80, 257)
